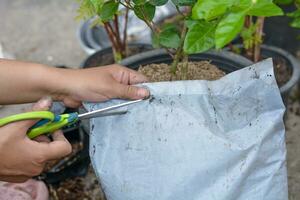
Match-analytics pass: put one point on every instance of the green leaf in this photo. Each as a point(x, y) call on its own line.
point(155, 41)
point(189, 23)
point(184, 2)
point(145, 11)
point(264, 8)
point(283, 2)
point(200, 37)
point(294, 14)
point(295, 23)
point(169, 36)
point(85, 10)
point(97, 4)
point(210, 9)
point(158, 2)
point(139, 2)
point(108, 10)
point(228, 28)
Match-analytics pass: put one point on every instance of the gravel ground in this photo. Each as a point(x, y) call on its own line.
point(45, 31)
point(293, 149)
point(41, 31)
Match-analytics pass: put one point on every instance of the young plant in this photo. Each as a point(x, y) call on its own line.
point(244, 17)
point(207, 24)
point(106, 13)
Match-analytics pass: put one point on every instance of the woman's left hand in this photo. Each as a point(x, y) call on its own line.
point(100, 84)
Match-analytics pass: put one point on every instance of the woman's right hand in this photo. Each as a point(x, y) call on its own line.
point(22, 158)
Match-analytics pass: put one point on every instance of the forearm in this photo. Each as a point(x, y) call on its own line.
point(23, 82)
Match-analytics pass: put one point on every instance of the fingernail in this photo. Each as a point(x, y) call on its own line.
point(143, 93)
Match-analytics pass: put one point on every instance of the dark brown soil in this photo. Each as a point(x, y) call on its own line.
point(83, 188)
point(202, 70)
point(282, 71)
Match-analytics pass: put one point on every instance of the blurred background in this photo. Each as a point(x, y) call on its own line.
point(46, 31)
point(41, 31)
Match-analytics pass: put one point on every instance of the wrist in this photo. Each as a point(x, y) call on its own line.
point(57, 82)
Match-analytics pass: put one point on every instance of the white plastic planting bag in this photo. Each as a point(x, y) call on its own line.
point(196, 140)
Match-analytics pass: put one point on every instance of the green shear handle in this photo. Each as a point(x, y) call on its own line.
point(48, 123)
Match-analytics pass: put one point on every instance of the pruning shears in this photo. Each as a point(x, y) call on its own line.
point(49, 122)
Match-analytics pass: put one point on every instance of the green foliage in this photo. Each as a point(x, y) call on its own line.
point(228, 28)
point(249, 38)
point(200, 37)
point(139, 2)
point(295, 18)
point(105, 10)
point(184, 2)
point(283, 2)
point(210, 9)
point(145, 11)
point(158, 2)
point(169, 36)
point(108, 10)
point(87, 9)
point(231, 14)
point(208, 23)
point(264, 8)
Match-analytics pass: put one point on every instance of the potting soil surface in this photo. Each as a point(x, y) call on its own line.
point(202, 70)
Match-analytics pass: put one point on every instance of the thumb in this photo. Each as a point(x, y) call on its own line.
point(130, 92)
point(58, 148)
point(43, 104)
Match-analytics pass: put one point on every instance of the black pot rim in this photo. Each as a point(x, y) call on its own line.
point(294, 64)
point(109, 50)
point(161, 52)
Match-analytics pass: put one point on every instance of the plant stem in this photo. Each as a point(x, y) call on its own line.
point(117, 52)
point(179, 51)
point(118, 38)
point(258, 36)
point(249, 50)
point(110, 35)
point(179, 11)
point(184, 71)
point(125, 30)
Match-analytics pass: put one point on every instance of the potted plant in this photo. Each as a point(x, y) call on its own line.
point(183, 55)
point(245, 19)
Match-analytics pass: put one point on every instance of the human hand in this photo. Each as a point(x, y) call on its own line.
point(22, 158)
point(100, 84)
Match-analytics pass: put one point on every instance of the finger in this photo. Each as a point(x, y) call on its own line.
point(129, 76)
point(72, 103)
point(42, 104)
point(130, 92)
point(58, 148)
point(136, 77)
point(14, 179)
point(42, 138)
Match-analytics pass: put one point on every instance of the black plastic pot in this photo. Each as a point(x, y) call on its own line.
point(268, 51)
point(107, 52)
point(279, 33)
point(74, 166)
point(292, 62)
point(225, 60)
